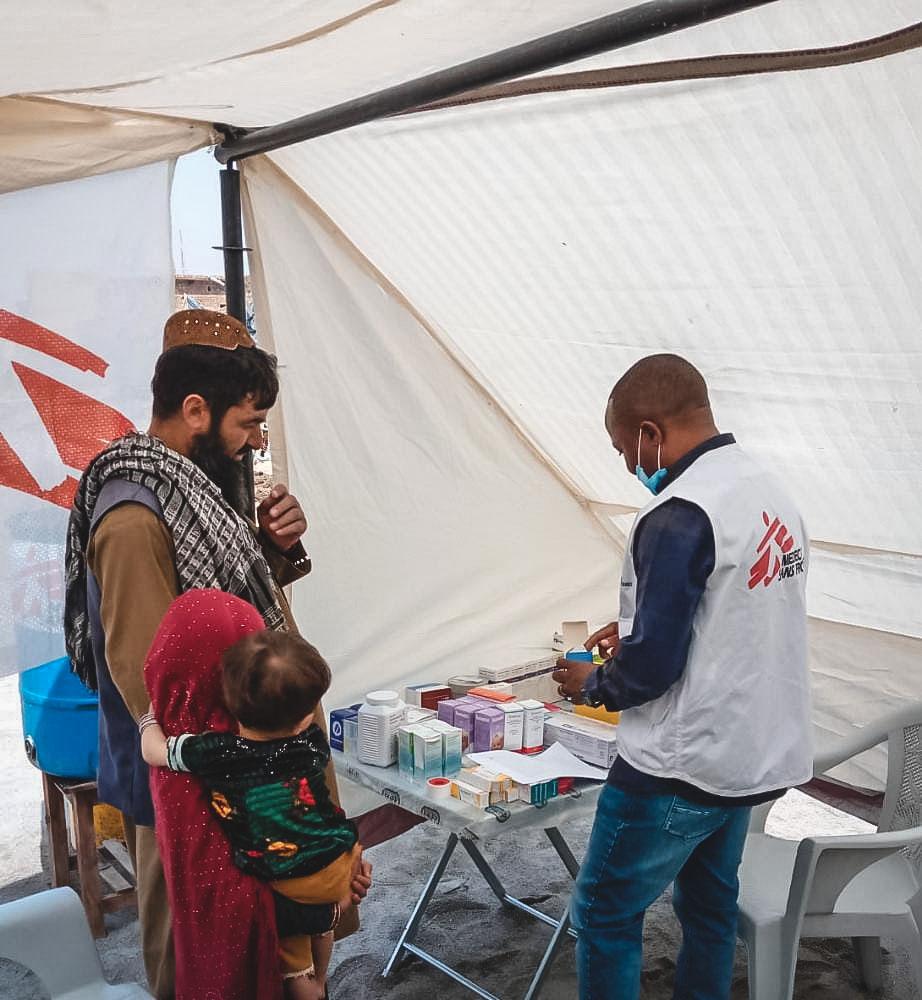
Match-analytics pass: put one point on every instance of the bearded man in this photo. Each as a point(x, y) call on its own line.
point(155, 515)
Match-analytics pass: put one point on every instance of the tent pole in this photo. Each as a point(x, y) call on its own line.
point(235, 287)
point(626, 27)
point(232, 243)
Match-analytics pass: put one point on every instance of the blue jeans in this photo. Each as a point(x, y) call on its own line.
point(638, 846)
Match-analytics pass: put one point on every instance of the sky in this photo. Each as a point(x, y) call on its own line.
point(196, 207)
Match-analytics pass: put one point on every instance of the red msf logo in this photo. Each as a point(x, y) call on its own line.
point(79, 425)
point(777, 555)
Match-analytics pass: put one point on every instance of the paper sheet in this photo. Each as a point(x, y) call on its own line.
point(555, 762)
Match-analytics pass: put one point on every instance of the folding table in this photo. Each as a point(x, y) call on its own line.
point(469, 827)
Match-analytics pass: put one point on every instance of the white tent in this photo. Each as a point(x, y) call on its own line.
point(452, 293)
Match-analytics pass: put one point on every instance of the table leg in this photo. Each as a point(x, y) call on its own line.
point(492, 879)
point(563, 926)
point(468, 984)
point(550, 953)
point(88, 862)
point(563, 850)
point(409, 932)
point(56, 824)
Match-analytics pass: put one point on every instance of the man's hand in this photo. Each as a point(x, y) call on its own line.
point(571, 676)
point(606, 639)
point(281, 518)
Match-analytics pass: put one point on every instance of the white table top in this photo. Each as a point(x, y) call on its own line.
point(459, 817)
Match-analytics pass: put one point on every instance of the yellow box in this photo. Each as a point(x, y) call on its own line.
point(601, 713)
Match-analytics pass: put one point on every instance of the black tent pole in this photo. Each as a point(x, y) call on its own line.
point(235, 287)
point(232, 238)
point(626, 27)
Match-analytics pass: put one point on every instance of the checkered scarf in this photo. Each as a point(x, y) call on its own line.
point(214, 545)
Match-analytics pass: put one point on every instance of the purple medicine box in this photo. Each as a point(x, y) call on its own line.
point(446, 710)
point(464, 720)
point(489, 729)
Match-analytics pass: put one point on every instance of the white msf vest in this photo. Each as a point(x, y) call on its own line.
point(737, 722)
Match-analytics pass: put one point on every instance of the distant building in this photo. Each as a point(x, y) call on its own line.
point(207, 292)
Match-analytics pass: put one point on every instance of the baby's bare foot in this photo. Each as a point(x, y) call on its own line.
point(305, 988)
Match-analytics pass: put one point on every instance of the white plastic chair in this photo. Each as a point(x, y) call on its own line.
point(864, 886)
point(48, 934)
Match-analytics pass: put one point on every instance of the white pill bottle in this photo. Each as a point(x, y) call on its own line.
point(381, 715)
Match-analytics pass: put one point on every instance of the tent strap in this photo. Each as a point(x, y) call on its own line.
point(704, 67)
point(626, 27)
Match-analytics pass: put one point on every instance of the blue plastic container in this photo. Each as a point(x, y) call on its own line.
point(60, 721)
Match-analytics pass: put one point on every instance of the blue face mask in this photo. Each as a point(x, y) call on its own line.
point(653, 482)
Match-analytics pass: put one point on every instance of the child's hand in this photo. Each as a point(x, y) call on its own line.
point(153, 742)
point(361, 882)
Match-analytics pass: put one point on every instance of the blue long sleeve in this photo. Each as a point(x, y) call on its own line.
point(673, 558)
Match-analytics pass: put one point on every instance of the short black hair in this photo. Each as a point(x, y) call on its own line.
point(222, 378)
point(272, 680)
point(660, 385)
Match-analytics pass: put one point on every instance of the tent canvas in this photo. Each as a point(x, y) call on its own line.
point(452, 293)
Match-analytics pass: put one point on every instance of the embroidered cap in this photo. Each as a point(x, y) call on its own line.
point(206, 328)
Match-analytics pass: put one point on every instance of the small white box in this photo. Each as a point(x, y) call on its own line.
point(533, 725)
point(515, 725)
point(485, 779)
point(518, 671)
point(427, 753)
point(592, 741)
point(476, 797)
point(451, 745)
point(575, 634)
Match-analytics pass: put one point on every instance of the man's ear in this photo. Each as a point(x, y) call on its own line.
point(651, 432)
point(196, 414)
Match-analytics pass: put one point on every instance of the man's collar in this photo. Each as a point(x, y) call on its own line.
point(680, 465)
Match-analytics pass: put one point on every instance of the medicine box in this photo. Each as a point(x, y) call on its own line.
point(464, 720)
point(476, 797)
point(405, 754)
point(337, 725)
point(489, 727)
point(492, 692)
point(426, 695)
point(533, 726)
point(514, 719)
point(451, 746)
point(427, 753)
point(519, 671)
point(446, 710)
point(351, 736)
point(591, 741)
point(538, 793)
point(489, 781)
point(416, 715)
point(428, 750)
point(600, 714)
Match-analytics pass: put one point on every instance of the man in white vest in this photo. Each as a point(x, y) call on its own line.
point(707, 664)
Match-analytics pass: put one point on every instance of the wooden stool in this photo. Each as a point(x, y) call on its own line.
point(82, 797)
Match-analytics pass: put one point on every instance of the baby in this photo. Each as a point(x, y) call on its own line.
point(267, 787)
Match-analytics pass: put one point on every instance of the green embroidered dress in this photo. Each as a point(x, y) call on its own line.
point(271, 798)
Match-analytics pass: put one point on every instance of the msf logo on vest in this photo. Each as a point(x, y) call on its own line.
point(779, 556)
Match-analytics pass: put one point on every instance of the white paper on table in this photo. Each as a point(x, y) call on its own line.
point(555, 762)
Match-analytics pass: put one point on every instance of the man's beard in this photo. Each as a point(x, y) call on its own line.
point(226, 473)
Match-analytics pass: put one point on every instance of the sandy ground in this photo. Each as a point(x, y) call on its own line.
point(465, 926)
